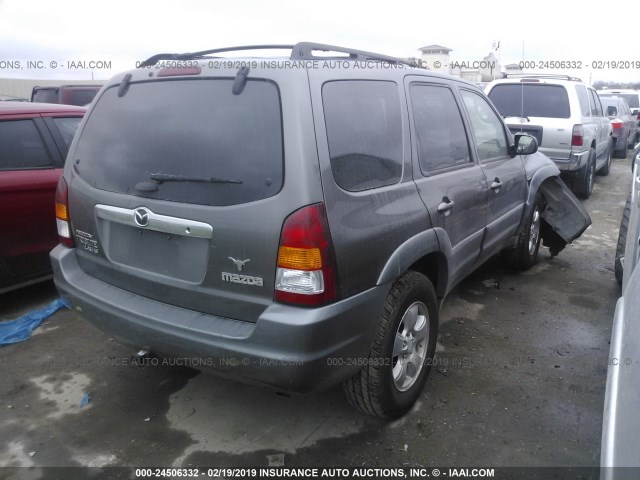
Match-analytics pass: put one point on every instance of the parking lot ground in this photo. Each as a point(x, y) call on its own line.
point(518, 380)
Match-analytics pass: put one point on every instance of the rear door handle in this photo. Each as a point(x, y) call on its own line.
point(495, 186)
point(445, 206)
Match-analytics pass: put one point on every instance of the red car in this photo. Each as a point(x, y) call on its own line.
point(34, 140)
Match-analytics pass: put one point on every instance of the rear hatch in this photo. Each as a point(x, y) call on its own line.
point(176, 190)
point(539, 109)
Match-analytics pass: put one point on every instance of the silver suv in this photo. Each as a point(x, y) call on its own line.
point(296, 222)
point(567, 119)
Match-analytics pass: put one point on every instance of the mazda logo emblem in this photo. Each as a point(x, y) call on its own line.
point(141, 216)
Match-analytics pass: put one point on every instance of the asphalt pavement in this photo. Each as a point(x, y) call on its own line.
point(519, 380)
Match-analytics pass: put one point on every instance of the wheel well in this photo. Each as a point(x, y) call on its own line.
point(434, 267)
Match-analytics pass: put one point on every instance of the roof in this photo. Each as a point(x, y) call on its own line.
point(434, 47)
point(14, 108)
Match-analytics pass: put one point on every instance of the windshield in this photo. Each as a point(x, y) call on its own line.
point(186, 128)
point(531, 100)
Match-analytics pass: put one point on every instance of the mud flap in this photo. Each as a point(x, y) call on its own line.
point(565, 219)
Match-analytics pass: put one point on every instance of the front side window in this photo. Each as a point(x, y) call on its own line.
point(490, 137)
point(442, 140)
point(364, 130)
point(21, 146)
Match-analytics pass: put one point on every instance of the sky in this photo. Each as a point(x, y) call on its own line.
point(51, 34)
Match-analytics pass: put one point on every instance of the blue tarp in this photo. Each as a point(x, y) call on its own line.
point(18, 330)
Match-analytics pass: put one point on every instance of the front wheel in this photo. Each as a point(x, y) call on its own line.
point(525, 253)
point(401, 355)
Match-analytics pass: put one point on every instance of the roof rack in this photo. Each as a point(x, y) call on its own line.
point(543, 75)
point(299, 51)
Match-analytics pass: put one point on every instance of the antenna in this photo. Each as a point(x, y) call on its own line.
point(522, 93)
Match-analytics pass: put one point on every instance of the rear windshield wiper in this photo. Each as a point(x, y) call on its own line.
point(517, 116)
point(158, 178)
point(165, 177)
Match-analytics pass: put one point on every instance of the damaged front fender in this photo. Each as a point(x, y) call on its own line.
point(565, 219)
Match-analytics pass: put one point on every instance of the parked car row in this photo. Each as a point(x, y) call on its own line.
point(323, 215)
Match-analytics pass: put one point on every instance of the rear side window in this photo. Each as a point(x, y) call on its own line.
point(583, 98)
point(193, 139)
point(67, 126)
point(596, 107)
point(21, 146)
point(46, 95)
point(364, 129)
point(531, 100)
point(442, 141)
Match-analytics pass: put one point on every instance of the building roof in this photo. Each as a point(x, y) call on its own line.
point(434, 47)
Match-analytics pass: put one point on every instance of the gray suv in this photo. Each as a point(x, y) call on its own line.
point(296, 222)
point(567, 119)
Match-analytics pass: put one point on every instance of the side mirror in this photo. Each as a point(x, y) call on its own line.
point(524, 144)
point(612, 111)
point(635, 111)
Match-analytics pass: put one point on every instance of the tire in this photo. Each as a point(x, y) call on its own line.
point(525, 253)
point(583, 186)
point(620, 153)
point(622, 239)
point(390, 382)
point(604, 171)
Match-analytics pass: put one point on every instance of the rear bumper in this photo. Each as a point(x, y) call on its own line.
point(576, 161)
point(291, 349)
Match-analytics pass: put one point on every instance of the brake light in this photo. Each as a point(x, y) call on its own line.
point(306, 273)
point(178, 71)
point(616, 124)
point(63, 221)
point(577, 136)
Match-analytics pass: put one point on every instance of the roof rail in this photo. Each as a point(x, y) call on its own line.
point(543, 75)
point(304, 51)
point(300, 51)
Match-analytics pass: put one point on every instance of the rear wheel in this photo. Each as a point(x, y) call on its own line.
point(402, 351)
point(604, 171)
point(622, 240)
point(584, 182)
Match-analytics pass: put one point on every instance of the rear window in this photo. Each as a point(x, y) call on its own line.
point(364, 129)
point(531, 100)
point(80, 97)
point(223, 149)
point(631, 98)
point(46, 95)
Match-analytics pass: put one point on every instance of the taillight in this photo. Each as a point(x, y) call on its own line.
point(63, 220)
point(616, 124)
point(306, 273)
point(577, 136)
